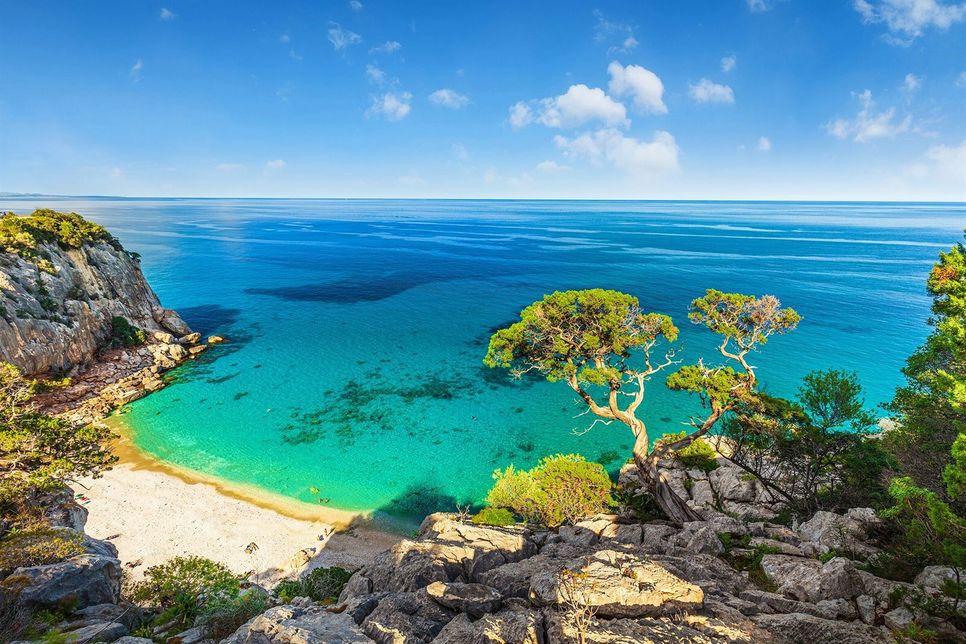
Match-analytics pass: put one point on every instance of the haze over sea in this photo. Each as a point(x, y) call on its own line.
point(356, 328)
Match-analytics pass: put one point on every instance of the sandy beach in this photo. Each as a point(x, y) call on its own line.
point(152, 511)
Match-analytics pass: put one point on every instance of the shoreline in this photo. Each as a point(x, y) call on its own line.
point(152, 511)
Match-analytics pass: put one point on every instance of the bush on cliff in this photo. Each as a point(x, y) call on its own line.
point(22, 235)
point(499, 517)
point(561, 489)
point(125, 334)
point(184, 588)
point(37, 546)
point(321, 585)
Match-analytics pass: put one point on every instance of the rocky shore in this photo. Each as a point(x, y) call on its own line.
point(607, 579)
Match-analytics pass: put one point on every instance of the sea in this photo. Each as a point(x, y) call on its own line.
point(352, 375)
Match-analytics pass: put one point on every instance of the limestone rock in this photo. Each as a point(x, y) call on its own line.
point(797, 628)
point(406, 618)
point(298, 625)
point(98, 632)
point(473, 599)
point(516, 623)
point(848, 532)
point(64, 324)
point(84, 580)
point(561, 630)
point(932, 577)
point(809, 580)
point(618, 584)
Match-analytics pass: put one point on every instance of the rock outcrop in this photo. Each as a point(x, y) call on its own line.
point(58, 318)
point(62, 295)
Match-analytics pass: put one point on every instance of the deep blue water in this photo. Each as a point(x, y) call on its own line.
point(357, 328)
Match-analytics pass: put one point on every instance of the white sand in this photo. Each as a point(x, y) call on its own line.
point(152, 513)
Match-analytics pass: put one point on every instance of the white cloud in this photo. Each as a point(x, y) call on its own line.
point(641, 84)
point(911, 83)
point(167, 14)
point(460, 152)
point(578, 105)
point(375, 75)
point(411, 178)
point(949, 161)
point(275, 164)
point(621, 34)
point(764, 144)
point(906, 20)
point(294, 55)
point(867, 124)
point(285, 39)
point(758, 6)
point(628, 154)
point(391, 106)
point(228, 167)
point(961, 80)
point(388, 47)
point(728, 63)
point(449, 98)
point(355, 5)
point(136, 70)
point(706, 91)
point(550, 167)
point(342, 38)
point(520, 115)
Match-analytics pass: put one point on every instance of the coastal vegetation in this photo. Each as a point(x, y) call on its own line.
point(606, 348)
point(560, 489)
point(23, 235)
point(39, 453)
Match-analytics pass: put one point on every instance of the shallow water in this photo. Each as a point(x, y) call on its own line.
point(353, 374)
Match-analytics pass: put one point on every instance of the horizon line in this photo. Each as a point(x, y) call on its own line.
point(30, 195)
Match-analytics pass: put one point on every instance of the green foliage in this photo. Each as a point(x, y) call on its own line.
point(718, 385)
point(24, 235)
point(321, 585)
point(584, 335)
point(125, 334)
point(741, 558)
point(40, 453)
point(222, 616)
point(929, 532)
point(816, 453)
point(561, 489)
point(930, 409)
point(641, 504)
point(494, 516)
point(745, 319)
point(184, 587)
point(38, 546)
point(699, 455)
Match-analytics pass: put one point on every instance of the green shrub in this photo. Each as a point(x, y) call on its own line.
point(321, 585)
point(23, 235)
point(38, 547)
point(494, 516)
point(561, 489)
point(696, 456)
point(223, 616)
point(125, 334)
point(184, 587)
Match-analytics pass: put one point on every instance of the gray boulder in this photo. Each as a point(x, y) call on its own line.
point(617, 584)
point(811, 581)
point(298, 625)
point(473, 599)
point(516, 623)
point(797, 628)
point(101, 632)
point(406, 618)
point(85, 580)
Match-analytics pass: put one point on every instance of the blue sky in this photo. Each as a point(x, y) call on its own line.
point(732, 99)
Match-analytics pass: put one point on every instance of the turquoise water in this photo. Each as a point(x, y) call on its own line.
point(357, 328)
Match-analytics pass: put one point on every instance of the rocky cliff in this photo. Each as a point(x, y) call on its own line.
point(74, 302)
point(60, 295)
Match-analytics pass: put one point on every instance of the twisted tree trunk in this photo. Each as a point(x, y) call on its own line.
point(657, 483)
